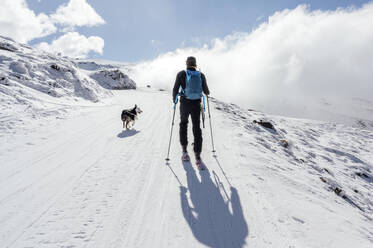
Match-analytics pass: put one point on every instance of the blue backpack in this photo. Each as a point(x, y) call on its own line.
point(193, 85)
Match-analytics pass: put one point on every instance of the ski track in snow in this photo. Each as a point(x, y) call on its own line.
point(83, 182)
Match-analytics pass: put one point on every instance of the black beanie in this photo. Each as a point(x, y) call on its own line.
point(191, 61)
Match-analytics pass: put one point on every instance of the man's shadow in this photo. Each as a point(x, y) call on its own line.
point(210, 219)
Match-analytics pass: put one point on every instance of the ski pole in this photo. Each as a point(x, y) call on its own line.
point(203, 108)
point(172, 127)
point(212, 138)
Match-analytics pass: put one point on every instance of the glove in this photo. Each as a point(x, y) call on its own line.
point(175, 99)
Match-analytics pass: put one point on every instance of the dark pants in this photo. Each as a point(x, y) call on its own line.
point(192, 108)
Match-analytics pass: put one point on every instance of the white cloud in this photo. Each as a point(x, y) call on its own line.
point(22, 24)
point(74, 45)
point(290, 61)
point(77, 13)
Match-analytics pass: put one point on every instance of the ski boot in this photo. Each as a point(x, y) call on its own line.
point(185, 157)
point(199, 162)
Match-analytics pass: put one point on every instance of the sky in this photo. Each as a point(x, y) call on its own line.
point(299, 62)
point(281, 57)
point(140, 30)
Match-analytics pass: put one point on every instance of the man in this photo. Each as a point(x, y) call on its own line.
point(192, 84)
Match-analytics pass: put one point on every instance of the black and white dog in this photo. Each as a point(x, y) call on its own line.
point(129, 116)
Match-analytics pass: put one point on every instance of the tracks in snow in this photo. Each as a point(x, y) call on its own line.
point(95, 186)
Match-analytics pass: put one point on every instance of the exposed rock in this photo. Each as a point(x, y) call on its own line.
point(8, 47)
point(284, 143)
point(4, 81)
point(338, 191)
point(323, 179)
point(55, 67)
point(265, 124)
point(113, 79)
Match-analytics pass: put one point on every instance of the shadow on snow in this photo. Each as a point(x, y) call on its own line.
point(209, 215)
point(127, 133)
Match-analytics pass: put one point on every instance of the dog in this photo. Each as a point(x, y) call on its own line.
point(129, 116)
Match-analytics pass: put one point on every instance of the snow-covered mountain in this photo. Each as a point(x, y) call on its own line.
point(34, 83)
point(81, 181)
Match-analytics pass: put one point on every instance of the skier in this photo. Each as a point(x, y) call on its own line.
point(191, 84)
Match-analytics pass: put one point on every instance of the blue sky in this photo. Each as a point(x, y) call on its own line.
point(140, 30)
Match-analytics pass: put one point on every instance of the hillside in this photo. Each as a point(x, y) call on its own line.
point(35, 84)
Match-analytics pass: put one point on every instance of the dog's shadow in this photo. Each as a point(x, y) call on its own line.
point(127, 133)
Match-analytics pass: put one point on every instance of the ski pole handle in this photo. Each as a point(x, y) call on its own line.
point(176, 101)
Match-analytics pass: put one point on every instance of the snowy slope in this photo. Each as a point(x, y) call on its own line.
point(71, 177)
point(35, 84)
point(83, 182)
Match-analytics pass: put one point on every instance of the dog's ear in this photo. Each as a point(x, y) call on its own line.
point(135, 106)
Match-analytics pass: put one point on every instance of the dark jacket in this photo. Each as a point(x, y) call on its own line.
point(180, 81)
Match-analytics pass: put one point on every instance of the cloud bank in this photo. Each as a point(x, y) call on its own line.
point(22, 24)
point(74, 45)
point(285, 65)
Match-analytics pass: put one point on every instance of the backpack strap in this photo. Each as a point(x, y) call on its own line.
point(187, 75)
point(181, 91)
point(187, 78)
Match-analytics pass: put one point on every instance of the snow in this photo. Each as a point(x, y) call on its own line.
point(83, 182)
point(70, 176)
